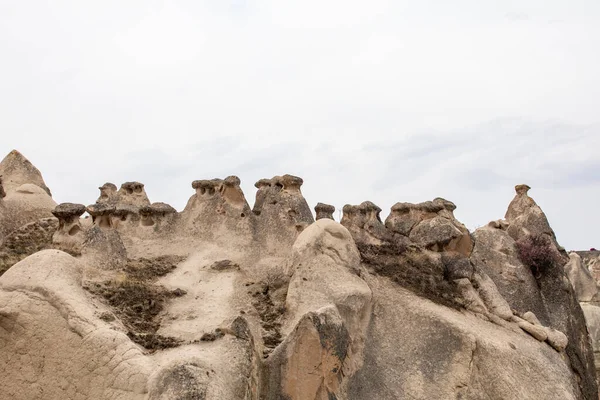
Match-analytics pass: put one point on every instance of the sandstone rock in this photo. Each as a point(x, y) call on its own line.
point(327, 322)
point(580, 277)
point(444, 354)
point(2, 192)
point(220, 302)
point(25, 241)
point(537, 331)
point(98, 242)
point(592, 318)
point(281, 212)
point(557, 339)
point(495, 254)
point(101, 214)
point(531, 318)
point(69, 236)
point(431, 224)
point(493, 300)
point(525, 217)
point(157, 215)
point(364, 223)
point(564, 314)
point(108, 193)
point(324, 211)
point(132, 193)
point(457, 266)
point(16, 170)
point(23, 205)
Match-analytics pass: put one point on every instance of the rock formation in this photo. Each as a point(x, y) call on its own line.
point(324, 211)
point(17, 170)
point(26, 221)
point(221, 301)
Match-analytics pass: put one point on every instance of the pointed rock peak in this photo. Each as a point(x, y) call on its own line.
point(16, 170)
point(520, 204)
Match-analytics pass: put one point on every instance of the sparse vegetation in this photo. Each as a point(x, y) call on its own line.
point(137, 302)
point(412, 269)
point(538, 253)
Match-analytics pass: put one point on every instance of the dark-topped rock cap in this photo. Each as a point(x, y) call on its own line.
point(324, 211)
point(125, 209)
point(157, 208)
point(447, 204)
point(324, 207)
point(100, 209)
point(369, 206)
point(108, 185)
point(132, 185)
point(232, 181)
point(427, 206)
point(522, 189)
point(264, 182)
point(291, 181)
point(349, 209)
point(68, 210)
point(207, 183)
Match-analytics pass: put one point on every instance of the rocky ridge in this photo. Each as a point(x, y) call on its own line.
point(221, 301)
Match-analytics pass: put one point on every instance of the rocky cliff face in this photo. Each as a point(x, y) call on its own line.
point(220, 301)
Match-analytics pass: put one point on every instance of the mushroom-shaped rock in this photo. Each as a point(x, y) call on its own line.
point(324, 211)
point(101, 214)
point(68, 211)
point(291, 182)
point(525, 217)
point(364, 223)
point(108, 193)
point(126, 212)
point(218, 210)
point(405, 216)
point(69, 235)
point(156, 213)
point(281, 210)
point(133, 193)
point(17, 170)
point(430, 224)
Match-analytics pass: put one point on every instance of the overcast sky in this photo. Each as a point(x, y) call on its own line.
point(366, 100)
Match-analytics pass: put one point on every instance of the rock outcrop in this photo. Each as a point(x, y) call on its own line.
point(16, 170)
point(534, 279)
point(25, 210)
point(281, 212)
point(221, 301)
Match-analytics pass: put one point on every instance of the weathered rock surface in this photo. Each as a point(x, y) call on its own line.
point(16, 170)
point(223, 302)
point(545, 291)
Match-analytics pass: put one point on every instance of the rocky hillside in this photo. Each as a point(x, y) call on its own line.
point(129, 299)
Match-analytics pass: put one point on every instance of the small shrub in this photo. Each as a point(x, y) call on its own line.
point(537, 252)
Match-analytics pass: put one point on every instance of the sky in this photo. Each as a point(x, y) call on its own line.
point(382, 100)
